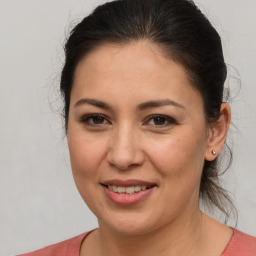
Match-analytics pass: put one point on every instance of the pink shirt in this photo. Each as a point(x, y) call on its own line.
point(239, 245)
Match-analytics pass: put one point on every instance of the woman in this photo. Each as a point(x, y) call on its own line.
point(143, 88)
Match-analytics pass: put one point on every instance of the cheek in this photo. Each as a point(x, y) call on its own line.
point(86, 154)
point(179, 154)
point(179, 160)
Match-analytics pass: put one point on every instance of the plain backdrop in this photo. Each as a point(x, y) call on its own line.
point(39, 203)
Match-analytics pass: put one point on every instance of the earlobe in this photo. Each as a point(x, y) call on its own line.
point(218, 133)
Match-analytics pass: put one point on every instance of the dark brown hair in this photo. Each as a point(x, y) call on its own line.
point(185, 35)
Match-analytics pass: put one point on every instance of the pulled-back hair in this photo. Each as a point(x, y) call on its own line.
point(183, 33)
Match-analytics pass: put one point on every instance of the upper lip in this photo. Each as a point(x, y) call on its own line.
point(128, 183)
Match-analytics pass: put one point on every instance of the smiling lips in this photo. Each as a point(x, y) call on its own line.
point(127, 192)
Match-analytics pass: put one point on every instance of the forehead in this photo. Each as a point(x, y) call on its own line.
point(136, 55)
point(136, 68)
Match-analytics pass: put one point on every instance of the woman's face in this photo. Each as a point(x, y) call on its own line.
point(137, 137)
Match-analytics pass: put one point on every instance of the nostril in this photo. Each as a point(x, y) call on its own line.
point(125, 159)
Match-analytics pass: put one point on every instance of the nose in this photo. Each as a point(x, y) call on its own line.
point(125, 149)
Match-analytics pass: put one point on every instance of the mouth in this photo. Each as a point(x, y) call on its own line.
point(127, 192)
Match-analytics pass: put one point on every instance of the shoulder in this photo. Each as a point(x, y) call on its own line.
point(68, 247)
point(240, 244)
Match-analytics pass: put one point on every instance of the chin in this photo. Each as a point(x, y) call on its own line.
point(130, 224)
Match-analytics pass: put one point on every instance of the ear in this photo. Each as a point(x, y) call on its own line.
point(218, 133)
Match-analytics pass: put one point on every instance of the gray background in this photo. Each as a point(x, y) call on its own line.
point(39, 204)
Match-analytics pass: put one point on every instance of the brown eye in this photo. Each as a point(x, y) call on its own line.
point(94, 120)
point(98, 120)
point(160, 121)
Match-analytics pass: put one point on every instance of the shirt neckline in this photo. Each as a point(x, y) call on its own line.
point(75, 246)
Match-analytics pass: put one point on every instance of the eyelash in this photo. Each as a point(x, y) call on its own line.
point(170, 121)
point(86, 119)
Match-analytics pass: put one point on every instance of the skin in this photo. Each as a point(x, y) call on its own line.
point(126, 142)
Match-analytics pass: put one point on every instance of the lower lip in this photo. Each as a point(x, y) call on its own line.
point(127, 199)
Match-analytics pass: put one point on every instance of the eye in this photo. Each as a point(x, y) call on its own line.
point(160, 121)
point(95, 120)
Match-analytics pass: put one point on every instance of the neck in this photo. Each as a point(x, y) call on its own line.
point(180, 237)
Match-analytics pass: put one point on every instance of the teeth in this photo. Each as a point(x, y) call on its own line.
point(127, 190)
point(120, 189)
point(137, 188)
point(114, 188)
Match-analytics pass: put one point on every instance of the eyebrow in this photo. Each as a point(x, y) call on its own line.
point(159, 103)
point(96, 103)
point(140, 107)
